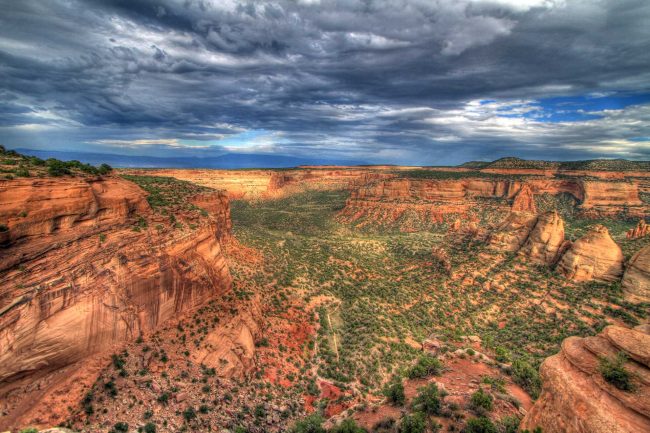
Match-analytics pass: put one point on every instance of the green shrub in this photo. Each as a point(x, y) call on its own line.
point(310, 424)
point(395, 393)
point(347, 426)
point(614, 372)
point(150, 427)
point(56, 167)
point(509, 424)
point(525, 375)
point(428, 400)
point(120, 427)
point(189, 414)
point(415, 423)
point(481, 401)
point(29, 430)
point(104, 169)
point(3, 228)
point(21, 171)
point(480, 425)
point(426, 365)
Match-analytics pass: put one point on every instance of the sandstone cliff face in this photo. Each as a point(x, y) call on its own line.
point(636, 280)
point(511, 234)
point(609, 198)
point(524, 201)
point(255, 184)
point(93, 273)
point(575, 397)
point(545, 241)
point(595, 256)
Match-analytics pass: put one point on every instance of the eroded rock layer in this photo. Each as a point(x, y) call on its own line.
point(97, 267)
point(435, 199)
point(253, 184)
point(595, 256)
point(575, 396)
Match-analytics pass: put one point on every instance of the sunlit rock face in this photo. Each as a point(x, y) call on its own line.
point(545, 241)
point(94, 271)
point(511, 234)
point(575, 396)
point(636, 280)
point(595, 256)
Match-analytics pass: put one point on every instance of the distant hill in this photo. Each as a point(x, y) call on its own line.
point(590, 164)
point(225, 161)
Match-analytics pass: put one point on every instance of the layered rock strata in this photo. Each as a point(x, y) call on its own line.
point(575, 396)
point(97, 267)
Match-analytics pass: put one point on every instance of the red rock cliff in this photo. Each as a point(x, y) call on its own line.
point(97, 267)
point(577, 399)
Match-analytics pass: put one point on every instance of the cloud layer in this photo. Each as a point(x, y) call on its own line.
point(401, 81)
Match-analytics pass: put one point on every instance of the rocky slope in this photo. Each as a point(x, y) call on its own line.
point(577, 399)
point(86, 265)
point(595, 256)
point(636, 280)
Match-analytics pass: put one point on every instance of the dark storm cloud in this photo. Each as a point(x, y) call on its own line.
point(394, 81)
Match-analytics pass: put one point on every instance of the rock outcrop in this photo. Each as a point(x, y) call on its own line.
point(511, 234)
point(524, 201)
point(97, 268)
point(595, 256)
point(636, 280)
point(575, 396)
point(546, 240)
point(642, 229)
point(230, 347)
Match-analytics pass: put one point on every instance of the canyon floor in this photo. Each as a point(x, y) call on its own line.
point(333, 307)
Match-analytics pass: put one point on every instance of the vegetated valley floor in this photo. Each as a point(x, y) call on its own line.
point(345, 311)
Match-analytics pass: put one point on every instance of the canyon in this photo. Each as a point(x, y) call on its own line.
point(84, 269)
point(153, 292)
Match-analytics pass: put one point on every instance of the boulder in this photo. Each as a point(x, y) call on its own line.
point(595, 256)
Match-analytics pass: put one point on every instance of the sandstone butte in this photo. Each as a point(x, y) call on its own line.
point(546, 240)
point(111, 283)
point(595, 256)
point(576, 398)
point(636, 280)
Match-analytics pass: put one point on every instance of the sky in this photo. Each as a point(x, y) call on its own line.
point(419, 82)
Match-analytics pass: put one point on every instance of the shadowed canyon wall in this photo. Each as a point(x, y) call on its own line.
point(93, 271)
